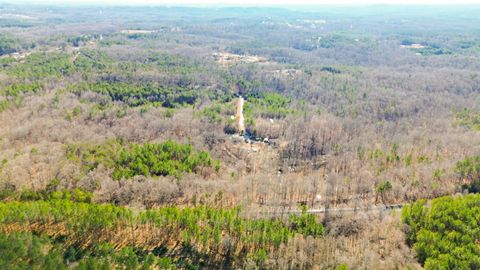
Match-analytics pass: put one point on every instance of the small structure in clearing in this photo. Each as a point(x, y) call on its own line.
point(225, 58)
point(287, 73)
point(133, 32)
point(413, 46)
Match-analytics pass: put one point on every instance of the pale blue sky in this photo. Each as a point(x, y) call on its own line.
point(251, 2)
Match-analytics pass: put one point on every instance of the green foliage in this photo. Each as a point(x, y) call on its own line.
point(466, 44)
point(413, 215)
point(332, 40)
point(6, 61)
point(342, 266)
point(4, 105)
point(73, 114)
point(41, 65)
point(78, 40)
point(78, 217)
point(383, 187)
point(16, 89)
point(29, 251)
point(91, 156)
point(7, 192)
point(469, 169)
point(141, 94)
point(92, 60)
point(393, 156)
point(174, 64)
point(105, 256)
point(423, 159)
point(122, 112)
point(76, 111)
point(168, 158)
point(213, 113)
point(408, 159)
point(107, 42)
point(201, 227)
point(168, 113)
point(139, 36)
point(409, 41)
point(149, 159)
point(445, 235)
point(383, 159)
point(14, 22)
point(306, 223)
point(331, 70)
point(217, 166)
point(30, 195)
point(247, 47)
point(469, 119)
point(7, 44)
point(428, 50)
point(208, 225)
point(259, 257)
point(327, 41)
point(13, 94)
point(267, 105)
point(75, 195)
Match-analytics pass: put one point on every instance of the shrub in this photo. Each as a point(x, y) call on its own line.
point(469, 169)
point(469, 119)
point(306, 223)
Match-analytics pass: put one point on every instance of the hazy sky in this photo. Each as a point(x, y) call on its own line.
point(249, 2)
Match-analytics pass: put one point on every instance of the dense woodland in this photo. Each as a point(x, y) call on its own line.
point(119, 146)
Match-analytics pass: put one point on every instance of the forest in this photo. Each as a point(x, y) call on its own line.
point(322, 137)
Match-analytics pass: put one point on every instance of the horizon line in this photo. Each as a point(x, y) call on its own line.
point(245, 4)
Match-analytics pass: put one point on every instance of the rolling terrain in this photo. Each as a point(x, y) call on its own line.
point(239, 138)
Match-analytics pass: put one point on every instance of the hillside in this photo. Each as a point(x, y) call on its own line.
point(239, 138)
